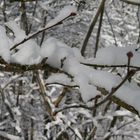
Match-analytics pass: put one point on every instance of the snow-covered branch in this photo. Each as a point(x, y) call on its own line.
point(133, 2)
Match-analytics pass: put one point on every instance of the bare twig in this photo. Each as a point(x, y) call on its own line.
point(110, 66)
point(123, 125)
point(38, 32)
point(113, 33)
point(93, 22)
point(99, 30)
point(72, 106)
point(13, 67)
point(129, 56)
point(24, 19)
point(44, 96)
point(65, 85)
point(92, 133)
point(6, 104)
point(119, 101)
point(138, 16)
point(44, 24)
point(112, 124)
point(33, 14)
point(130, 74)
point(133, 2)
point(3, 10)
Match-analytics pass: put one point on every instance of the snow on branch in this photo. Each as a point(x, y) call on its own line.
point(9, 136)
point(65, 13)
point(133, 2)
point(56, 56)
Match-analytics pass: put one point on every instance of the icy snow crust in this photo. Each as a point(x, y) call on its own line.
point(69, 60)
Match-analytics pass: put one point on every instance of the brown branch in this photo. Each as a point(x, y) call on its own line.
point(72, 106)
point(14, 67)
point(119, 101)
point(38, 32)
point(111, 27)
point(129, 75)
point(133, 2)
point(92, 133)
point(65, 85)
point(99, 30)
point(60, 97)
point(84, 45)
point(110, 66)
point(4, 11)
point(44, 23)
point(44, 96)
point(24, 19)
point(8, 107)
point(33, 14)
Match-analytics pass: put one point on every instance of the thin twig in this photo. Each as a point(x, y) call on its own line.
point(65, 85)
point(138, 16)
point(24, 19)
point(3, 10)
point(44, 24)
point(60, 97)
point(110, 66)
point(133, 2)
point(99, 30)
point(129, 75)
point(72, 106)
point(33, 14)
point(38, 32)
point(112, 124)
point(91, 27)
point(92, 133)
point(44, 96)
point(113, 33)
point(6, 104)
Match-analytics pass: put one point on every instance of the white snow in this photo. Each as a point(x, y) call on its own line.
point(116, 56)
point(64, 13)
point(9, 136)
point(69, 60)
point(104, 79)
point(88, 78)
point(4, 45)
point(28, 53)
point(55, 51)
point(59, 78)
point(18, 33)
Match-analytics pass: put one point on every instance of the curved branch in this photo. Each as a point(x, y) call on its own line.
point(110, 66)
